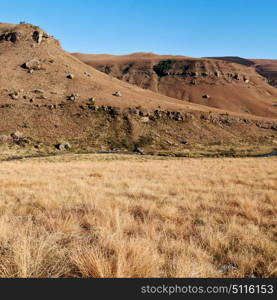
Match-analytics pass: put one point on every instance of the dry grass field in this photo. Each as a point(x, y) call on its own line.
point(120, 216)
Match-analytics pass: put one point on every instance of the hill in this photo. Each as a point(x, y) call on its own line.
point(210, 82)
point(47, 96)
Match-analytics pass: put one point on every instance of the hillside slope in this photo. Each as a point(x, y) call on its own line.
point(54, 65)
point(210, 82)
point(47, 96)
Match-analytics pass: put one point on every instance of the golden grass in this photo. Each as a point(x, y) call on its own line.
point(105, 216)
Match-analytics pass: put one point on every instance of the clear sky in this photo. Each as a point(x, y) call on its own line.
point(196, 28)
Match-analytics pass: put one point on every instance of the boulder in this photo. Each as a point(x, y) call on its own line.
point(217, 74)
point(206, 96)
point(33, 64)
point(139, 151)
point(237, 77)
point(91, 101)
point(144, 119)
point(194, 74)
point(16, 135)
point(70, 76)
point(73, 97)
point(14, 95)
point(38, 91)
point(63, 146)
point(114, 111)
point(46, 35)
point(246, 79)
point(117, 94)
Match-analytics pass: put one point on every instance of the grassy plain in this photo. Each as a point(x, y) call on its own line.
point(136, 216)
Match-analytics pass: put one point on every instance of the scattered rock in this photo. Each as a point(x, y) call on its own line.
point(46, 35)
point(42, 97)
point(38, 145)
point(91, 101)
point(63, 146)
point(38, 91)
point(16, 135)
point(217, 74)
point(144, 119)
point(33, 64)
point(194, 74)
point(237, 77)
point(139, 150)
point(87, 74)
point(73, 97)
point(117, 94)
point(14, 95)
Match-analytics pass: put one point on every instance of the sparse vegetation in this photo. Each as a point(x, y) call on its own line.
point(112, 216)
point(128, 144)
point(163, 67)
point(144, 141)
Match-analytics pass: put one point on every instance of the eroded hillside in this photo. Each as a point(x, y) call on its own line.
point(214, 83)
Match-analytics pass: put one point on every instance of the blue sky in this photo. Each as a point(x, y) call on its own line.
point(197, 28)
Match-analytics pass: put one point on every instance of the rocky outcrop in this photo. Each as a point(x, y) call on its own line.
point(13, 36)
point(192, 69)
point(37, 36)
point(157, 114)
